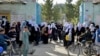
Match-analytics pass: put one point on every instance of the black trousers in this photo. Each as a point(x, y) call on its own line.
point(45, 39)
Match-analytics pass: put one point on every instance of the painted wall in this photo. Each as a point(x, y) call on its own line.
point(86, 11)
point(20, 11)
point(90, 12)
point(38, 13)
point(81, 8)
point(97, 14)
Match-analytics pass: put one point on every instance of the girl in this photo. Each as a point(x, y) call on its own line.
point(45, 35)
point(25, 37)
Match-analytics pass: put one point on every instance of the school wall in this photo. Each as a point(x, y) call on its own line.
point(38, 13)
point(97, 14)
point(19, 12)
point(86, 11)
point(90, 12)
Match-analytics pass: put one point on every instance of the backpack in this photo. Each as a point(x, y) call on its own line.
point(49, 31)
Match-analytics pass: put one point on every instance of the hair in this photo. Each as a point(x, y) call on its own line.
point(97, 26)
point(2, 29)
point(12, 28)
point(26, 27)
point(88, 29)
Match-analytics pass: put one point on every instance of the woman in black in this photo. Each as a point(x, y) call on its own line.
point(45, 35)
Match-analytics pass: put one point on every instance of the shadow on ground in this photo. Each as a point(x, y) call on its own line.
point(52, 49)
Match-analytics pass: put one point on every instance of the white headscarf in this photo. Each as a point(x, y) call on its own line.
point(49, 26)
point(85, 24)
point(23, 24)
point(31, 22)
point(5, 20)
point(53, 25)
point(91, 27)
point(36, 27)
point(44, 24)
point(79, 25)
point(34, 24)
point(70, 26)
point(66, 26)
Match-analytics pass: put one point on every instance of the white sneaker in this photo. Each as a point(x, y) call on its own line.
point(4, 52)
point(22, 55)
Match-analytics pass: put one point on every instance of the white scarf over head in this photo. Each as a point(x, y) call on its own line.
point(79, 25)
point(53, 25)
point(91, 27)
point(66, 26)
point(44, 24)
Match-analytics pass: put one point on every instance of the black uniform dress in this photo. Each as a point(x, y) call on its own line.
point(59, 30)
point(54, 34)
point(37, 36)
point(45, 36)
point(32, 36)
point(64, 40)
point(18, 32)
point(73, 35)
point(79, 32)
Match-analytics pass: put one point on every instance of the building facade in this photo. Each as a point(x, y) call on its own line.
point(90, 11)
point(19, 10)
point(96, 11)
point(86, 11)
point(38, 13)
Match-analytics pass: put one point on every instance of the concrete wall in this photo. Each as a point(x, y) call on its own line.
point(20, 11)
point(90, 12)
point(81, 8)
point(38, 13)
point(86, 13)
point(97, 14)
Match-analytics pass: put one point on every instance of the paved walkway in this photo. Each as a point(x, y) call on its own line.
point(52, 49)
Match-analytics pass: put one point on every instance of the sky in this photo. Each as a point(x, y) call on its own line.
point(58, 1)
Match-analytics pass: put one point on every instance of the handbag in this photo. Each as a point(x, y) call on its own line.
point(67, 38)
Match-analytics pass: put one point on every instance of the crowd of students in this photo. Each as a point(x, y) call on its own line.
point(86, 32)
point(27, 32)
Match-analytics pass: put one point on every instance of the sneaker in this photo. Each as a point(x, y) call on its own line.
point(21, 55)
point(4, 52)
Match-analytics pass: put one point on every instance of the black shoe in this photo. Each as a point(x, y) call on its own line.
point(32, 52)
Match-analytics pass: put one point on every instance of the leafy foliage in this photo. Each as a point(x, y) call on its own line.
point(47, 10)
point(72, 11)
point(54, 12)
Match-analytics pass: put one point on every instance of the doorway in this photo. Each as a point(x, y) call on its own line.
point(5, 15)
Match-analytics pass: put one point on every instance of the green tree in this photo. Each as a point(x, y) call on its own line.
point(69, 10)
point(77, 8)
point(47, 10)
point(56, 13)
point(76, 13)
point(72, 11)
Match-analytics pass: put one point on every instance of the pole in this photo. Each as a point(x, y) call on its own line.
point(93, 13)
